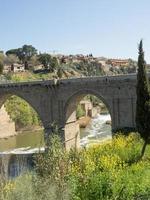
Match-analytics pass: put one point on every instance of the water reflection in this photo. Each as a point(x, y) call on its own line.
point(23, 140)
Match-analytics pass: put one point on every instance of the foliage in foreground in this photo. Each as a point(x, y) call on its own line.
point(101, 172)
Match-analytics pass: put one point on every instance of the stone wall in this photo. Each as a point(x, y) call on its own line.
point(7, 126)
point(88, 108)
point(72, 135)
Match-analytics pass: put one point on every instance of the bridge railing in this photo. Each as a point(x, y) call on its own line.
point(55, 80)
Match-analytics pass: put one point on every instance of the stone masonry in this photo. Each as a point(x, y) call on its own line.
point(56, 101)
point(7, 126)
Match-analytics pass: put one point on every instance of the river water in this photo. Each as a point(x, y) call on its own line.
point(22, 142)
point(16, 153)
point(26, 142)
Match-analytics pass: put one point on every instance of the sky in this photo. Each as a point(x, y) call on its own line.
point(109, 28)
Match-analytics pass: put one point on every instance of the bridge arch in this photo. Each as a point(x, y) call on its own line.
point(70, 113)
point(9, 129)
point(76, 97)
point(51, 100)
point(23, 96)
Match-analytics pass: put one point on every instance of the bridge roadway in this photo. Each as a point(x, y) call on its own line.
point(56, 100)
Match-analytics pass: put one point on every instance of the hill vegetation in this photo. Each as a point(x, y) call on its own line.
point(60, 66)
point(21, 113)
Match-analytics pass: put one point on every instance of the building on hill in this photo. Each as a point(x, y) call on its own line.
point(14, 68)
point(118, 62)
point(17, 68)
point(102, 62)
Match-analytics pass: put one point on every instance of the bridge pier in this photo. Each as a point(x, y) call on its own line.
point(47, 132)
point(72, 135)
point(123, 117)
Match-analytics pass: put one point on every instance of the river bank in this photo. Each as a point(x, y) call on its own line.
point(29, 128)
point(84, 121)
point(23, 130)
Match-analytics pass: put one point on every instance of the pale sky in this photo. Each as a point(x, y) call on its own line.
point(110, 28)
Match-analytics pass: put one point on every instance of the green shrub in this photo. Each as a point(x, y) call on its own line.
point(21, 112)
point(80, 112)
point(1, 67)
point(107, 171)
point(52, 166)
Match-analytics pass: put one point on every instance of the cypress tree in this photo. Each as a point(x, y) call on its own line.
point(143, 100)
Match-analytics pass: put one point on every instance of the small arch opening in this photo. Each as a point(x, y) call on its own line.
point(21, 128)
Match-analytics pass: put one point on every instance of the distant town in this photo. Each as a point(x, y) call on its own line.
point(27, 58)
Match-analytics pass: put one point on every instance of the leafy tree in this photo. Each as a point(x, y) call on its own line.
point(143, 100)
point(24, 53)
point(11, 59)
point(34, 61)
point(80, 112)
point(54, 63)
point(1, 67)
point(48, 61)
point(60, 72)
point(45, 60)
point(27, 51)
point(12, 52)
point(2, 57)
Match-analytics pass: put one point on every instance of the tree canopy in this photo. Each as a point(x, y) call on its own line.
point(24, 53)
point(48, 61)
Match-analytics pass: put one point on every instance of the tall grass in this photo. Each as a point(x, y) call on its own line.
point(106, 171)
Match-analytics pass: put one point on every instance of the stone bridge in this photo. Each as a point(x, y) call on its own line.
point(57, 101)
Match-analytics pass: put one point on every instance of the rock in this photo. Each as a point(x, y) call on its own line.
point(84, 121)
point(108, 122)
